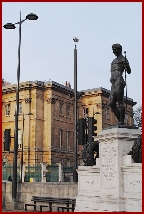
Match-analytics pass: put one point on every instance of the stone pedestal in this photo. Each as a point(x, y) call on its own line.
point(88, 187)
point(89, 180)
point(132, 179)
point(115, 143)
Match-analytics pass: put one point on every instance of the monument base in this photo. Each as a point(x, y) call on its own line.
point(96, 204)
point(115, 182)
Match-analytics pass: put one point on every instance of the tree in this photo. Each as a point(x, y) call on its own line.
point(138, 116)
point(4, 83)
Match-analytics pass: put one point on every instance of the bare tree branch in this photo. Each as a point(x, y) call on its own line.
point(138, 116)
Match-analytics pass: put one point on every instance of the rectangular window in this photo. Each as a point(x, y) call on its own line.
point(61, 108)
point(19, 139)
point(107, 113)
point(126, 118)
point(85, 112)
point(67, 110)
point(67, 140)
point(20, 108)
point(61, 138)
point(7, 109)
point(7, 139)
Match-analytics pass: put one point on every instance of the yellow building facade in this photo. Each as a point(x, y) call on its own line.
point(46, 119)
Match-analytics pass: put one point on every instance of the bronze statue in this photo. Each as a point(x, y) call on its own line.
point(118, 66)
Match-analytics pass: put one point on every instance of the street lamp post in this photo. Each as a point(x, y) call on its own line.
point(75, 176)
point(22, 146)
point(30, 16)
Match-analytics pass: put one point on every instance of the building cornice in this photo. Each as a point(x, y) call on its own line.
point(52, 85)
point(104, 93)
point(29, 85)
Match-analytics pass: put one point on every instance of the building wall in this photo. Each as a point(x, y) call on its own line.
point(62, 121)
point(41, 129)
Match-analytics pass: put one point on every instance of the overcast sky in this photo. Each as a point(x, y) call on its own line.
point(47, 44)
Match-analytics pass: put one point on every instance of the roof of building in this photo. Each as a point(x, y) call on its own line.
point(44, 84)
point(103, 90)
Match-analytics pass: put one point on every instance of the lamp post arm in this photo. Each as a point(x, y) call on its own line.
point(17, 23)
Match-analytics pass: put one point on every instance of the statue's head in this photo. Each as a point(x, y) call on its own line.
point(117, 49)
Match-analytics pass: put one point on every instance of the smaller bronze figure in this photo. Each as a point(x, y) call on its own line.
point(90, 152)
point(118, 66)
point(136, 151)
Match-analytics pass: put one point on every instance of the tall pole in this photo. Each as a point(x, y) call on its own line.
point(23, 145)
point(22, 150)
point(14, 182)
point(75, 176)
